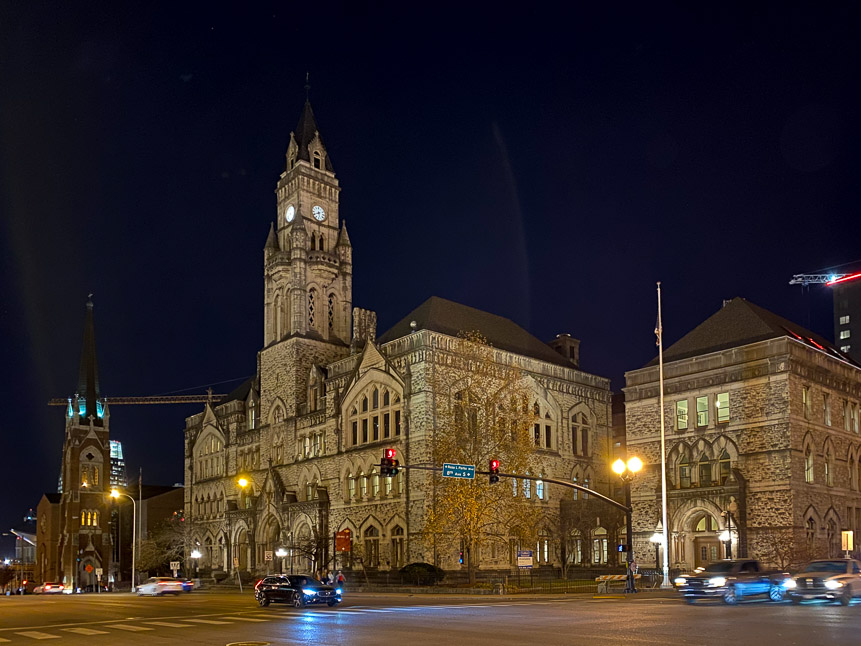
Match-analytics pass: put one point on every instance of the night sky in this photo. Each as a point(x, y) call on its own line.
point(549, 167)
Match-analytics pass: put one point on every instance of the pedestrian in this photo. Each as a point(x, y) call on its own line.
point(341, 578)
point(330, 578)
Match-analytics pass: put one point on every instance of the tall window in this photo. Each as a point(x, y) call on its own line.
point(580, 434)
point(331, 312)
point(527, 487)
point(826, 408)
point(372, 547)
point(599, 546)
point(375, 403)
point(722, 405)
point(351, 487)
point(808, 464)
point(829, 466)
point(363, 484)
point(398, 553)
point(684, 473)
point(312, 307)
point(375, 481)
point(539, 489)
point(847, 423)
point(810, 531)
point(854, 413)
point(702, 411)
point(705, 471)
point(682, 415)
point(805, 401)
point(723, 467)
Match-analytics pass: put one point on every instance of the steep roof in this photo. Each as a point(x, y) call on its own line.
point(739, 322)
point(448, 317)
point(88, 372)
point(305, 131)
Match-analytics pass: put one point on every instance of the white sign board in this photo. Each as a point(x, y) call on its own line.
point(174, 565)
point(99, 571)
point(847, 540)
point(268, 555)
point(524, 558)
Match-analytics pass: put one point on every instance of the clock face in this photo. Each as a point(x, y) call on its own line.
point(318, 213)
point(290, 213)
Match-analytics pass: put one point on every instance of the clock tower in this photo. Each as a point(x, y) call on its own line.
point(308, 274)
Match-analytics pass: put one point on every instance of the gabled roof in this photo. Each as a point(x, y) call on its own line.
point(305, 132)
point(739, 322)
point(448, 317)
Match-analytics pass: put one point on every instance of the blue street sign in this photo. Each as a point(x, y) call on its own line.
point(458, 471)
point(524, 559)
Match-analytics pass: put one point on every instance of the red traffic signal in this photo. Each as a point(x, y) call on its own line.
point(390, 454)
point(494, 465)
point(494, 471)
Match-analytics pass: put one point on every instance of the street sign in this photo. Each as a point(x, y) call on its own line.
point(267, 555)
point(524, 559)
point(88, 568)
point(99, 572)
point(847, 540)
point(342, 541)
point(458, 471)
point(174, 565)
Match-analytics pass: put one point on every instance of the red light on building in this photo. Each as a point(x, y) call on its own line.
point(390, 454)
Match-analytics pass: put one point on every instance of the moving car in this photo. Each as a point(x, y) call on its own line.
point(159, 585)
point(731, 581)
point(299, 590)
point(49, 588)
point(832, 579)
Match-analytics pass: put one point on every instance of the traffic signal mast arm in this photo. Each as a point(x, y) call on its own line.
point(561, 483)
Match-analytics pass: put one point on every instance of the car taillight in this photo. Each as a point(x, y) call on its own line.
point(257, 585)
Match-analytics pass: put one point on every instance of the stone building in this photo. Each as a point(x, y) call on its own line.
point(73, 534)
point(762, 437)
point(307, 433)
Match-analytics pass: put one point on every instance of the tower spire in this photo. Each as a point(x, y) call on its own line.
point(307, 87)
point(88, 373)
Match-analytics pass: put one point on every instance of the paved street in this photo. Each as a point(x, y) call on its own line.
point(223, 618)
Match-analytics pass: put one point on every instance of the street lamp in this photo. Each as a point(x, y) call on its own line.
point(195, 554)
point(116, 493)
point(657, 539)
point(281, 553)
point(726, 535)
point(626, 471)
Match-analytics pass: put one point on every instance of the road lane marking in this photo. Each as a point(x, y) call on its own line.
point(209, 621)
point(167, 624)
point(129, 627)
point(363, 610)
point(34, 634)
point(85, 631)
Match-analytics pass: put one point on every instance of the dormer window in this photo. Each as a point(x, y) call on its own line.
point(318, 161)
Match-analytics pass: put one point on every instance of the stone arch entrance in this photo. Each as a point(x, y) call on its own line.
point(695, 535)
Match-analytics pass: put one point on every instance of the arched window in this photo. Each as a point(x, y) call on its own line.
point(85, 476)
point(372, 547)
point(312, 305)
point(539, 489)
point(95, 476)
point(318, 162)
point(398, 553)
point(853, 474)
point(375, 399)
point(723, 467)
point(278, 414)
point(832, 537)
point(829, 466)
point(599, 545)
point(351, 487)
point(810, 531)
point(375, 483)
point(363, 484)
point(527, 487)
point(808, 464)
point(331, 312)
point(575, 491)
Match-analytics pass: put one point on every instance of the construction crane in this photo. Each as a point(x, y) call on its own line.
point(155, 399)
point(820, 279)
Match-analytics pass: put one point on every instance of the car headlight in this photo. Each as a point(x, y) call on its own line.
point(833, 585)
point(717, 581)
point(680, 581)
point(309, 591)
point(338, 591)
point(789, 584)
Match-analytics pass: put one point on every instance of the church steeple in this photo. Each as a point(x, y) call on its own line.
point(308, 142)
point(88, 373)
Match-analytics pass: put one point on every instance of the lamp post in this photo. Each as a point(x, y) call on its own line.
point(281, 553)
point(726, 535)
point(116, 493)
point(626, 471)
point(658, 538)
point(242, 481)
point(195, 554)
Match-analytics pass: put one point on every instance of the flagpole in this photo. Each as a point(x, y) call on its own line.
point(659, 331)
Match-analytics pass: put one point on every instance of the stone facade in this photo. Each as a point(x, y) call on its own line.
point(770, 434)
point(306, 435)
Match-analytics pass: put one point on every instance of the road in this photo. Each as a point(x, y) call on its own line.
point(364, 619)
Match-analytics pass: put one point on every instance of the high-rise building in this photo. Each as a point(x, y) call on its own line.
point(118, 464)
point(847, 314)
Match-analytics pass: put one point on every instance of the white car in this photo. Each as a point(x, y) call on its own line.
point(49, 588)
point(159, 585)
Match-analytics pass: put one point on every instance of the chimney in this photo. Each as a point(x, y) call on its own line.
point(568, 347)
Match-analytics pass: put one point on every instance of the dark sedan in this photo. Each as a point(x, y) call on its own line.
point(300, 590)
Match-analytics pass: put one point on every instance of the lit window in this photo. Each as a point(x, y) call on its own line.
point(539, 489)
point(722, 405)
point(826, 408)
point(805, 401)
point(845, 334)
point(844, 320)
point(351, 486)
point(808, 464)
point(684, 473)
point(702, 411)
point(845, 348)
point(682, 415)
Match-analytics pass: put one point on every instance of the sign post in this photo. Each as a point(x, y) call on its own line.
point(99, 577)
point(847, 540)
point(174, 565)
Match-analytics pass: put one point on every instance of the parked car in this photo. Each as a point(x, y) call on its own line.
point(731, 581)
point(49, 588)
point(832, 579)
point(159, 585)
point(299, 590)
point(187, 584)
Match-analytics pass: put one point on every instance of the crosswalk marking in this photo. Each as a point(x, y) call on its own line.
point(129, 627)
point(35, 634)
point(167, 624)
point(246, 619)
point(208, 621)
point(84, 631)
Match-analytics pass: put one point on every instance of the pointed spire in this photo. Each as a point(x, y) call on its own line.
point(343, 236)
point(272, 239)
point(298, 224)
point(88, 373)
point(306, 132)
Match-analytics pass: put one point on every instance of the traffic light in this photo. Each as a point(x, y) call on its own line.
point(393, 468)
point(494, 471)
point(460, 560)
point(388, 465)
